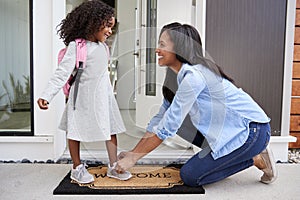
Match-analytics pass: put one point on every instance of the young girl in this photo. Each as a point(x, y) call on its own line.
point(97, 116)
point(236, 129)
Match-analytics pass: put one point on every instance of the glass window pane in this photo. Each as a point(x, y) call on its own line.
point(15, 95)
point(150, 50)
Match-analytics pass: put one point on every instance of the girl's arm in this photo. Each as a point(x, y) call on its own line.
point(61, 74)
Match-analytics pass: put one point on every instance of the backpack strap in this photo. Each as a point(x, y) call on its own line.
point(81, 52)
point(79, 72)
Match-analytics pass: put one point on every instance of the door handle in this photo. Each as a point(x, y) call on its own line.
point(136, 54)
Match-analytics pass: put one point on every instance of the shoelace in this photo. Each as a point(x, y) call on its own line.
point(114, 165)
point(82, 170)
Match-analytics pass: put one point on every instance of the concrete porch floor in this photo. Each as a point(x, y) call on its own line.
point(37, 181)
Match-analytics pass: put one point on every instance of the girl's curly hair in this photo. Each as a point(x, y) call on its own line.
point(85, 20)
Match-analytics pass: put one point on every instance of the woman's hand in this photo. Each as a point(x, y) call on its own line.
point(43, 104)
point(126, 161)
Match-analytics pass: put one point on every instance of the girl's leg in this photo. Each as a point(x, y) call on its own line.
point(203, 169)
point(74, 148)
point(79, 173)
point(111, 146)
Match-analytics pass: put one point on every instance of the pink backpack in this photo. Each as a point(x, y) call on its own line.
point(81, 54)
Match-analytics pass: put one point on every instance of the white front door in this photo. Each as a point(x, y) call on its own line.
point(150, 76)
point(153, 16)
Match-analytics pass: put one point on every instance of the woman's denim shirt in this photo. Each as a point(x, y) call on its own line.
point(217, 108)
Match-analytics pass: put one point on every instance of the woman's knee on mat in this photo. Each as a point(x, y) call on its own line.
point(187, 176)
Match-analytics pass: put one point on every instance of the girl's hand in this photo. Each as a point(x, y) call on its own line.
point(126, 161)
point(43, 104)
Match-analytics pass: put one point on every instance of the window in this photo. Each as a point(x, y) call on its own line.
point(15, 77)
point(151, 44)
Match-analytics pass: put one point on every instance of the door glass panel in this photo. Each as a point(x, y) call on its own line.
point(15, 56)
point(151, 44)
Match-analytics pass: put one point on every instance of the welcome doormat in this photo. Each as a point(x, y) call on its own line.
point(146, 179)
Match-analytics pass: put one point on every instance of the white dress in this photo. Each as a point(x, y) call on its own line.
point(96, 115)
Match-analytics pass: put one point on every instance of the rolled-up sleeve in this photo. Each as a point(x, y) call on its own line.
point(190, 86)
point(152, 126)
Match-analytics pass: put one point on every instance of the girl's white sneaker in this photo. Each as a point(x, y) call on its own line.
point(112, 173)
point(81, 174)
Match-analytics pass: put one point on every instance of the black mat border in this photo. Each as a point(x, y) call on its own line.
point(65, 187)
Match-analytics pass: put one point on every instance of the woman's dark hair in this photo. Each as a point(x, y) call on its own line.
point(84, 20)
point(188, 47)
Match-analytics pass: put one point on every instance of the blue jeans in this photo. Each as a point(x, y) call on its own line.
point(202, 169)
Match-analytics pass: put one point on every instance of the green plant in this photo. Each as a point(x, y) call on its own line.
point(20, 94)
point(5, 106)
